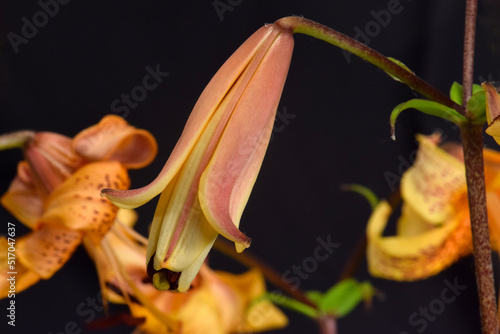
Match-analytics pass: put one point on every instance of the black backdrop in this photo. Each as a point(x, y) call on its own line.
point(68, 74)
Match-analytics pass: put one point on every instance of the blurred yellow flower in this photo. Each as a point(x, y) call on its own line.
point(434, 228)
point(217, 302)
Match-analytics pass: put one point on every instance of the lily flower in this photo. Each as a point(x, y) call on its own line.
point(206, 182)
point(223, 302)
point(56, 194)
point(434, 228)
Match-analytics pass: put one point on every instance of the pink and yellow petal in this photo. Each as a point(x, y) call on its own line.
point(408, 258)
point(228, 180)
point(205, 107)
point(114, 139)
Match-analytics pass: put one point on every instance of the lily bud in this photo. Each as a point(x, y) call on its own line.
point(206, 182)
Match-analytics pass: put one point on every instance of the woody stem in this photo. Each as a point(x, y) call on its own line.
point(474, 166)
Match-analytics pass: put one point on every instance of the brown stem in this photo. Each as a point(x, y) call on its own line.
point(469, 43)
point(474, 166)
point(327, 324)
point(269, 273)
point(329, 35)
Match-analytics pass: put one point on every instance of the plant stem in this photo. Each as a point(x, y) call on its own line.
point(327, 324)
point(469, 43)
point(314, 29)
point(474, 166)
point(476, 191)
point(269, 273)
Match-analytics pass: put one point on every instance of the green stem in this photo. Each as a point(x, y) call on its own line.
point(474, 167)
point(314, 29)
point(16, 139)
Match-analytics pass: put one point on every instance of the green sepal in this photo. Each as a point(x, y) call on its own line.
point(344, 296)
point(291, 304)
point(427, 107)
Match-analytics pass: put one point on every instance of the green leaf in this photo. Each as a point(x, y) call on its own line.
point(427, 107)
point(314, 296)
point(343, 297)
point(477, 106)
point(367, 193)
point(292, 304)
point(457, 93)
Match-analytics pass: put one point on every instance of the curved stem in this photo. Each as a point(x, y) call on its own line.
point(314, 29)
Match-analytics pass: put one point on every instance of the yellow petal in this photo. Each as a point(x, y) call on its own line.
point(408, 258)
point(432, 182)
point(114, 139)
point(77, 204)
point(46, 250)
point(255, 316)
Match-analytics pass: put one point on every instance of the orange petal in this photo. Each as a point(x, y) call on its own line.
point(77, 204)
point(22, 199)
point(114, 139)
point(229, 178)
point(23, 277)
point(45, 250)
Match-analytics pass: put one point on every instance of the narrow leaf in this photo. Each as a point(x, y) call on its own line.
point(292, 304)
point(427, 107)
point(342, 298)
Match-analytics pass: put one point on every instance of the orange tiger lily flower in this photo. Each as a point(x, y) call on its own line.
point(56, 194)
point(433, 231)
point(206, 182)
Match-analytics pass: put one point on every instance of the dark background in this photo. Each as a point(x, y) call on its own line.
point(66, 77)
